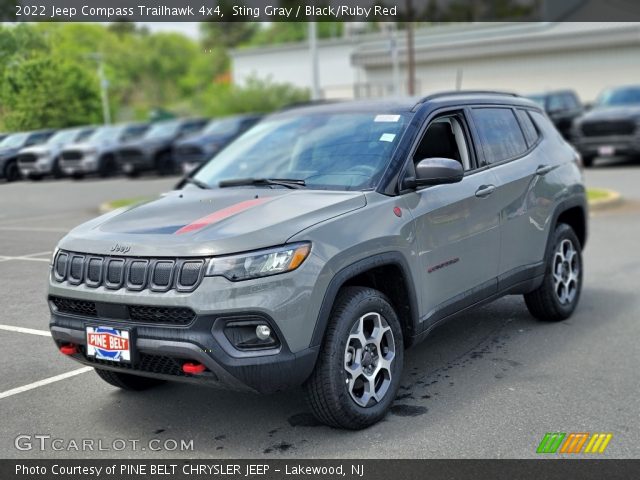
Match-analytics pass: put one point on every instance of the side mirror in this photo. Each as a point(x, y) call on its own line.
point(436, 171)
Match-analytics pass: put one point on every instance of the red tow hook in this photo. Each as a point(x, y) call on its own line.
point(193, 367)
point(69, 349)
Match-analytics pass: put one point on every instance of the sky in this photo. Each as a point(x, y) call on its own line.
point(188, 28)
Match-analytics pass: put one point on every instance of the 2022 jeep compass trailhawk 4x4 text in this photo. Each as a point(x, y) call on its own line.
point(321, 244)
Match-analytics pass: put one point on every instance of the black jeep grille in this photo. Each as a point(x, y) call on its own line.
point(27, 158)
point(131, 313)
point(72, 155)
point(135, 274)
point(602, 128)
point(189, 154)
point(76, 307)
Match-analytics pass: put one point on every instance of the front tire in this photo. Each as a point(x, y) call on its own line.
point(360, 363)
point(558, 296)
point(587, 160)
point(126, 381)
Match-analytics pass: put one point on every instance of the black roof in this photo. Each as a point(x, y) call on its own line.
point(408, 104)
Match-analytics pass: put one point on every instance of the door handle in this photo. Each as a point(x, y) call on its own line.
point(485, 191)
point(544, 169)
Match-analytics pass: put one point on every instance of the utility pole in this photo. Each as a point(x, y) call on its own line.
point(104, 87)
point(313, 50)
point(411, 60)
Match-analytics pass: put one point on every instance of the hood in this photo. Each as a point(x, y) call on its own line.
point(146, 143)
point(613, 113)
point(85, 146)
point(196, 222)
point(6, 152)
point(202, 139)
point(37, 150)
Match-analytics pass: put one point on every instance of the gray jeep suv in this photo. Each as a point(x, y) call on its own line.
point(323, 242)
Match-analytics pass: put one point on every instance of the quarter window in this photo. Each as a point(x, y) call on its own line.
point(528, 128)
point(499, 133)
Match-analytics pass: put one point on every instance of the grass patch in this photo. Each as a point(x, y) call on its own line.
point(125, 202)
point(594, 194)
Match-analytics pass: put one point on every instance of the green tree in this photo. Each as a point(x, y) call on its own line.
point(256, 96)
point(46, 92)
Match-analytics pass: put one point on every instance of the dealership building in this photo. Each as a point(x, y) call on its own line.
point(520, 57)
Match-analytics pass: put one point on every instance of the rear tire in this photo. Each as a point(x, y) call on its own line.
point(558, 296)
point(358, 371)
point(56, 171)
point(11, 171)
point(127, 381)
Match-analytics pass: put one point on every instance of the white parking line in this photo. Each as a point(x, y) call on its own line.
point(32, 331)
point(34, 229)
point(29, 257)
point(46, 381)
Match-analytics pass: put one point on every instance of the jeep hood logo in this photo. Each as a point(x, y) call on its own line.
point(117, 248)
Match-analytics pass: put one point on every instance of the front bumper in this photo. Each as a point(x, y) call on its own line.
point(89, 164)
point(607, 145)
point(285, 302)
point(161, 351)
point(34, 168)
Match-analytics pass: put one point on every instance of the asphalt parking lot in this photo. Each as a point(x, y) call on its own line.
point(489, 384)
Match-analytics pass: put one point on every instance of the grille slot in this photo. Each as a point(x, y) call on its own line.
point(132, 273)
point(169, 315)
point(27, 158)
point(75, 307)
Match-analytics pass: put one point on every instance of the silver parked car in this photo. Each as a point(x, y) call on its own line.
point(321, 243)
point(38, 161)
point(97, 153)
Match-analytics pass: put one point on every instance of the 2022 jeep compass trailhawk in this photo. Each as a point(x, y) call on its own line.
point(321, 244)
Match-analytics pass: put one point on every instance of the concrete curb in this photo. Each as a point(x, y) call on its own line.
point(105, 207)
point(613, 199)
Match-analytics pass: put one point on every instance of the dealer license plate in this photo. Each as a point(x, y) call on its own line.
point(108, 343)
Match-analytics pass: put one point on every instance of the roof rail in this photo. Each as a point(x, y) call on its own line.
point(466, 92)
point(309, 103)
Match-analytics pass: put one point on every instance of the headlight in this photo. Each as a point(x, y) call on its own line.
point(259, 264)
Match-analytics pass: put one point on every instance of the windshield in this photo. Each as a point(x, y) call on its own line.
point(340, 151)
point(163, 129)
point(64, 136)
point(222, 127)
point(620, 96)
point(106, 134)
point(14, 141)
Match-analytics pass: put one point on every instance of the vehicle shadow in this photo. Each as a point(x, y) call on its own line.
point(474, 350)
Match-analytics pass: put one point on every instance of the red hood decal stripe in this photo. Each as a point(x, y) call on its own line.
point(220, 215)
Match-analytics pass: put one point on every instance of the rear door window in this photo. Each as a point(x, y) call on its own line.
point(500, 133)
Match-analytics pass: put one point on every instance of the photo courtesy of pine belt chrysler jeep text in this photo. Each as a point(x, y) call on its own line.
point(323, 242)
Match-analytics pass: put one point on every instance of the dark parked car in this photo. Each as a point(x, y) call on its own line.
point(196, 149)
point(38, 161)
point(153, 151)
point(562, 106)
point(96, 154)
point(612, 127)
point(12, 144)
point(3, 136)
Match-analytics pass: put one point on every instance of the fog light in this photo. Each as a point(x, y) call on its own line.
point(263, 332)
point(251, 335)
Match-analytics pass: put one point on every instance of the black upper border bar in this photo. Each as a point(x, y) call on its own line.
point(319, 10)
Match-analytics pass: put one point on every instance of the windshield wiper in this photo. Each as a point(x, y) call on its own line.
point(197, 183)
point(283, 182)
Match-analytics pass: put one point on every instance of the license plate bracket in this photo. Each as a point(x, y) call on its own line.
point(109, 343)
